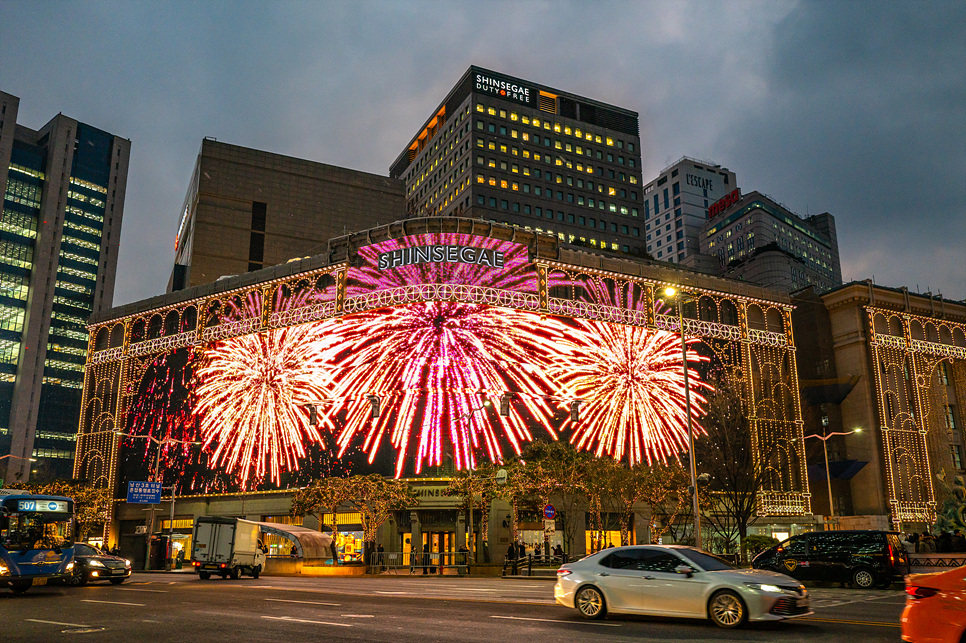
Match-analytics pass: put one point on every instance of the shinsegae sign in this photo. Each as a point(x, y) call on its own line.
point(441, 254)
point(502, 87)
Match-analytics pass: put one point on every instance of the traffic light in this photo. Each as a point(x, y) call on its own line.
point(505, 404)
point(574, 407)
point(313, 414)
point(374, 405)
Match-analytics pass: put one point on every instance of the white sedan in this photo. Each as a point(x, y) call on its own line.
point(663, 580)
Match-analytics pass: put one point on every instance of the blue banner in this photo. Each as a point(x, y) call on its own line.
point(144, 493)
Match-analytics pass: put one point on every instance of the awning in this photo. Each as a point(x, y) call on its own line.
point(308, 542)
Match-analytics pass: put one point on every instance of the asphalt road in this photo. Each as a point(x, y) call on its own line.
point(179, 607)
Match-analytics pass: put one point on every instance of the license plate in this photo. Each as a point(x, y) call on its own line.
point(118, 571)
point(39, 581)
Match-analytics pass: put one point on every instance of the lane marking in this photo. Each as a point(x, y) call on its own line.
point(286, 600)
point(302, 620)
point(138, 589)
point(381, 592)
point(556, 620)
point(358, 616)
point(89, 600)
point(832, 620)
point(37, 620)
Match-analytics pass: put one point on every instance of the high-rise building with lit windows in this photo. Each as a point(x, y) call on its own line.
point(512, 151)
point(63, 196)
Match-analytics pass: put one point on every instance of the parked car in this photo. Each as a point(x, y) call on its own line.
point(667, 580)
point(91, 565)
point(934, 607)
point(863, 559)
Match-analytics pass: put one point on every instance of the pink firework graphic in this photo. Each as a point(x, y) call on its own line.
point(251, 396)
point(434, 365)
point(631, 384)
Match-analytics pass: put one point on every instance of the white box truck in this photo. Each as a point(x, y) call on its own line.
point(226, 546)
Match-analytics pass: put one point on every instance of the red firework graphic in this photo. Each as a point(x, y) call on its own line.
point(434, 365)
point(631, 384)
point(251, 395)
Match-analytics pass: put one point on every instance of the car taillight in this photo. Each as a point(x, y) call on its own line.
point(224, 565)
point(892, 554)
point(195, 563)
point(920, 592)
point(563, 572)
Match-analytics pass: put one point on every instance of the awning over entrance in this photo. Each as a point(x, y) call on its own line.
point(308, 542)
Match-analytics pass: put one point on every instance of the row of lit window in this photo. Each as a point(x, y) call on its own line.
point(555, 127)
point(97, 217)
point(69, 350)
point(14, 286)
point(83, 243)
point(53, 453)
point(74, 319)
point(50, 435)
point(67, 301)
point(79, 227)
point(9, 351)
point(19, 223)
point(515, 168)
point(87, 184)
point(560, 215)
point(16, 254)
point(76, 257)
point(69, 285)
point(569, 197)
point(557, 144)
point(83, 198)
point(24, 193)
point(558, 161)
point(69, 333)
point(61, 365)
point(37, 174)
point(74, 272)
point(571, 238)
point(11, 318)
point(64, 382)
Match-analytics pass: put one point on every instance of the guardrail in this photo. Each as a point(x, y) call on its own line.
point(517, 566)
point(434, 562)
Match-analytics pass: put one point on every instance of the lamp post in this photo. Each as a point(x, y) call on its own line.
point(156, 474)
point(472, 548)
point(679, 296)
point(828, 474)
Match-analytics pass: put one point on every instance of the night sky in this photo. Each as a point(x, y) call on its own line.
point(855, 108)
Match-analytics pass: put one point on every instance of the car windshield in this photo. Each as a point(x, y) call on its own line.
point(707, 562)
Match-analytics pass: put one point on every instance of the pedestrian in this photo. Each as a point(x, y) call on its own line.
point(959, 541)
point(521, 550)
point(536, 550)
point(944, 543)
point(908, 544)
point(511, 552)
point(294, 552)
point(425, 558)
point(927, 544)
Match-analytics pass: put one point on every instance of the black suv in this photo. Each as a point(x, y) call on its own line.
point(92, 565)
point(862, 558)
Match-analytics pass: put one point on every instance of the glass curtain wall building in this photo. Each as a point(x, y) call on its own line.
point(63, 188)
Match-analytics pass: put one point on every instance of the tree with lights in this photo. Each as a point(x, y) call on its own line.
point(92, 506)
point(375, 498)
point(321, 497)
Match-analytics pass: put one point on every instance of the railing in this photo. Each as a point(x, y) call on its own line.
point(436, 562)
point(524, 566)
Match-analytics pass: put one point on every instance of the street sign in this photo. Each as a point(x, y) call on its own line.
point(144, 493)
point(549, 528)
point(549, 512)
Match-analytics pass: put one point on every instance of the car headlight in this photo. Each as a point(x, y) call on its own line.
point(765, 587)
point(95, 563)
point(70, 566)
point(127, 563)
point(4, 569)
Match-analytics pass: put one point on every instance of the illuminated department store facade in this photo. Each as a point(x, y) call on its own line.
point(434, 316)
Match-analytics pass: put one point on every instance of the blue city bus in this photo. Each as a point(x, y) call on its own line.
point(36, 539)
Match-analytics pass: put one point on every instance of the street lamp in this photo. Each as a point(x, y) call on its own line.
point(156, 474)
point(824, 438)
point(485, 404)
point(679, 296)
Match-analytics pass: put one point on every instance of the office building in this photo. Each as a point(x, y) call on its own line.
point(63, 188)
point(676, 206)
point(509, 150)
point(246, 209)
point(758, 240)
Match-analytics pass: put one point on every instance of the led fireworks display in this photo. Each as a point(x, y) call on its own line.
point(433, 365)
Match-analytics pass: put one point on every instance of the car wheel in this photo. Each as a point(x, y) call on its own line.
point(117, 581)
point(204, 575)
point(78, 579)
point(233, 573)
point(726, 609)
point(863, 579)
point(256, 571)
point(590, 603)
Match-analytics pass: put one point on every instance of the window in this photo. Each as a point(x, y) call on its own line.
point(954, 452)
point(794, 546)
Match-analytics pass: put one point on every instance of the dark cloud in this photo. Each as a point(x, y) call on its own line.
point(847, 107)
